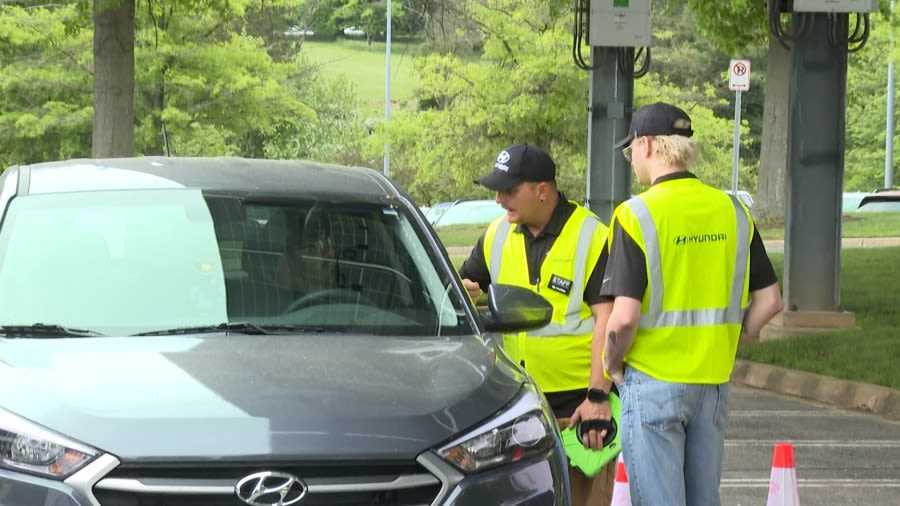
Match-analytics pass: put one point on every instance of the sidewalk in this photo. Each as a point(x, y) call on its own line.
point(846, 242)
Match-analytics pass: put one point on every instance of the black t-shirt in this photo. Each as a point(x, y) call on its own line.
point(536, 248)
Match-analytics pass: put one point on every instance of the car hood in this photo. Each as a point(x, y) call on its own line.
point(217, 396)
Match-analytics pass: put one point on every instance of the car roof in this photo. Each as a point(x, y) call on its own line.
point(886, 195)
point(226, 174)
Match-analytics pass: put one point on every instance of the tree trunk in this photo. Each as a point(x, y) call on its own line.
point(113, 79)
point(769, 204)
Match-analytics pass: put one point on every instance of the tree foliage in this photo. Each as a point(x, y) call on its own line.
point(200, 77)
point(45, 83)
point(220, 77)
point(866, 118)
point(523, 87)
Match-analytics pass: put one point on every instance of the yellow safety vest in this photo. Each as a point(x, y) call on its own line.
point(557, 356)
point(696, 242)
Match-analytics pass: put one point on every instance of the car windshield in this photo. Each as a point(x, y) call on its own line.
point(128, 262)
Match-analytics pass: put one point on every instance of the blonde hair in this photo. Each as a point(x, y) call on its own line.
point(675, 150)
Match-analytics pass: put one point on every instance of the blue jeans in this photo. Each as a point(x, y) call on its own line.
point(673, 440)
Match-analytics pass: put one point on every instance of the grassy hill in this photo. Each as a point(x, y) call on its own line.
point(364, 65)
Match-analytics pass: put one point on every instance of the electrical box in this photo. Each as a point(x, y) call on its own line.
point(833, 5)
point(620, 23)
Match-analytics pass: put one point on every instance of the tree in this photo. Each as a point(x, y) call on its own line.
point(215, 88)
point(46, 82)
point(113, 132)
point(867, 111)
point(742, 24)
point(523, 87)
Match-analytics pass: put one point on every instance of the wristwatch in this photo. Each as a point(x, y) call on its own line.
point(597, 395)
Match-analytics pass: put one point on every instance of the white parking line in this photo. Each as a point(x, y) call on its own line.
point(811, 483)
point(819, 443)
point(787, 413)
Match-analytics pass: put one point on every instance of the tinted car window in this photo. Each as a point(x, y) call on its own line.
point(160, 259)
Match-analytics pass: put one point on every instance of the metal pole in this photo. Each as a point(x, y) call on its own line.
point(889, 129)
point(736, 148)
point(387, 88)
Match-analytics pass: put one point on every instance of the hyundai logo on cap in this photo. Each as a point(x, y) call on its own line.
point(502, 160)
point(270, 488)
point(517, 164)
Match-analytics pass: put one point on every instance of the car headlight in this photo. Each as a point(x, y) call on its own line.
point(523, 430)
point(29, 448)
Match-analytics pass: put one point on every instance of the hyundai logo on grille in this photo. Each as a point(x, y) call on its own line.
point(270, 488)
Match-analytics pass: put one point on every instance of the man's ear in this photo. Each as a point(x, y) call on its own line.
point(544, 190)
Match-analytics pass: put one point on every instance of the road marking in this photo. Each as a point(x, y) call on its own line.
point(823, 443)
point(811, 483)
point(788, 413)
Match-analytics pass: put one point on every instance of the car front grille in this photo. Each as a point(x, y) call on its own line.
point(387, 485)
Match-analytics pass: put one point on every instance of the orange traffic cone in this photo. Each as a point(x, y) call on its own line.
point(783, 483)
point(621, 495)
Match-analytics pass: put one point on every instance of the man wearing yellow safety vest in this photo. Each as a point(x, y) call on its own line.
point(556, 248)
point(690, 277)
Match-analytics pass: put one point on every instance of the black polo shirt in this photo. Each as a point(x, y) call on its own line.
point(536, 248)
point(626, 270)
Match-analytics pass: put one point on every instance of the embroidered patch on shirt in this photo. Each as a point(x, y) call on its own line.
point(560, 285)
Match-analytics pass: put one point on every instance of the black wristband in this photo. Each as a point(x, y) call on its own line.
point(597, 395)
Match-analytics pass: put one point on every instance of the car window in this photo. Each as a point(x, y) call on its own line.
point(139, 261)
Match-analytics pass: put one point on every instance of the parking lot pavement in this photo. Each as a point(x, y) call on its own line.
point(843, 457)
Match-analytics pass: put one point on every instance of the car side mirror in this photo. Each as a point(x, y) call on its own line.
point(515, 309)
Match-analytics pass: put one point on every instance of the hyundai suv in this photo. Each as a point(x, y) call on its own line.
point(224, 332)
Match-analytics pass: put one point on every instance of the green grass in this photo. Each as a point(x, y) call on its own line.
point(364, 65)
point(869, 288)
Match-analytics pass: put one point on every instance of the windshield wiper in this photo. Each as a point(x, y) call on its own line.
point(42, 330)
point(243, 328)
point(239, 327)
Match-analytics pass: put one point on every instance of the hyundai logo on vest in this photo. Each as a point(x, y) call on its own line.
point(681, 240)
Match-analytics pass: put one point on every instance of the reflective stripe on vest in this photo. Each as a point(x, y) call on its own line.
point(573, 325)
point(655, 316)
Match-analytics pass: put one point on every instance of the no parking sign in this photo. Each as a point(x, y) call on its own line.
point(739, 75)
point(738, 81)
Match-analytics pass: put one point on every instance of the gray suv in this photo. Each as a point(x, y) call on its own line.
point(225, 332)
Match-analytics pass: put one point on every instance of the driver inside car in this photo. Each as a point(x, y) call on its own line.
point(308, 265)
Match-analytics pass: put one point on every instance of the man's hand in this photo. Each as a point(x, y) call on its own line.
point(588, 410)
point(473, 288)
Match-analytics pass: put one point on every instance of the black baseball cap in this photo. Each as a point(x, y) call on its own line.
point(657, 119)
point(517, 164)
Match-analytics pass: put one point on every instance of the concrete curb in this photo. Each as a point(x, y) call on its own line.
point(846, 394)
